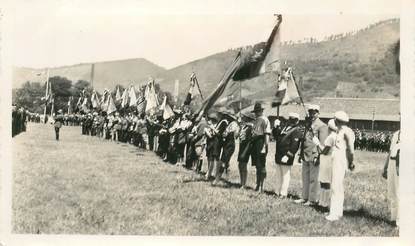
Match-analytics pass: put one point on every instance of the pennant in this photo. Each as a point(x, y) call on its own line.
point(94, 100)
point(111, 105)
point(167, 111)
point(85, 104)
point(262, 57)
point(132, 96)
point(118, 95)
point(151, 97)
point(104, 100)
point(287, 91)
point(124, 99)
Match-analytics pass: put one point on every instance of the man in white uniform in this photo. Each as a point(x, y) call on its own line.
point(343, 154)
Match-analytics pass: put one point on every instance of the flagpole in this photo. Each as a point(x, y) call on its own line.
point(92, 75)
point(46, 95)
point(198, 87)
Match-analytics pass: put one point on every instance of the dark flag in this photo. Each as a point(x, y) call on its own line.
point(263, 57)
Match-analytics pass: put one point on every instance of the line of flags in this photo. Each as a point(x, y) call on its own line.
point(249, 63)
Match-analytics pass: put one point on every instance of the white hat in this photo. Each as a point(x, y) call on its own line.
point(314, 107)
point(341, 116)
point(332, 125)
point(277, 123)
point(294, 115)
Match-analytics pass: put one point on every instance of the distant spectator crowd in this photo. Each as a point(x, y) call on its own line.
point(377, 141)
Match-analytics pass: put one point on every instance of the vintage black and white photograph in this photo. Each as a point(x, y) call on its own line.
point(132, 120)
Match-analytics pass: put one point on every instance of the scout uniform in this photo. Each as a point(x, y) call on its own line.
point(260, 132)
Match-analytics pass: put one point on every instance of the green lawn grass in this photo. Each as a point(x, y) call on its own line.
point(84, 185)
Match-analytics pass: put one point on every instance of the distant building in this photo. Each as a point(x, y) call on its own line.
point(364, 113)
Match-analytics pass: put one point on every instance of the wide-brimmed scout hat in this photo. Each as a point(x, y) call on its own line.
point(60, 111)
point(257, 107)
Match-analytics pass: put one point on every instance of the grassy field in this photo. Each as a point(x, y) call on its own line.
point(84, 185)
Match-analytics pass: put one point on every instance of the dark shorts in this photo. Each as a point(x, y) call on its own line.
point(258, 158)
point(245, 151)
point(213, 148)
point(227, 152)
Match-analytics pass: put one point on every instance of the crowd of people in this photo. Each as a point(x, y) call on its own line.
point(326, 151)
point(373, 141)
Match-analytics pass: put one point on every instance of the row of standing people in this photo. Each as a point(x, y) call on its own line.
point(325, 151)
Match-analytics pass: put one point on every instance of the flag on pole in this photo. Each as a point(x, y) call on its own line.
point(150, 96)
point(220, 88)
point(176, 90)
point(118, 95)
point(94, 100)
point(263, 57)
point(111, 105)
point(167, 111)
point(124, 98)
point(85, 104)
point(104, 100)
point(193, 90)
point(287, 91)
point(132, 96)
point(141, 102)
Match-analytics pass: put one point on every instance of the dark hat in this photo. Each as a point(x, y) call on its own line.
point(257, 107)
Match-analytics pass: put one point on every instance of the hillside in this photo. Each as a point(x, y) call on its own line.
point(364, 59)
point(106, 74)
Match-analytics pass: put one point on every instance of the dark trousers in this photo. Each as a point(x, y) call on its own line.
point(150, 141)
point(57, 132)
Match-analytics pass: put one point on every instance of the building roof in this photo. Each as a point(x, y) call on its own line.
point(356, 108)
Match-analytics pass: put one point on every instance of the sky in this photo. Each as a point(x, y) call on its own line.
point(52, 33)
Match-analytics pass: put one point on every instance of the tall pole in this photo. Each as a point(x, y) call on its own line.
point(46, 95)
point(240, 99)
point(92, 75)
point(373, 118)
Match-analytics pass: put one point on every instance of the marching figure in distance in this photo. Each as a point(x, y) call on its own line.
point(58, 123)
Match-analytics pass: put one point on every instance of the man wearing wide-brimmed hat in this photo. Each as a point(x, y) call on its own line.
point(309, 156)
point(260, 140)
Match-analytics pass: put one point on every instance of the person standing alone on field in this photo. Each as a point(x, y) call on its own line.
point(309, 157)
point(58, 123)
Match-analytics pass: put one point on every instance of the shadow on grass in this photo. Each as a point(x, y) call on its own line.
point(363, 213)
